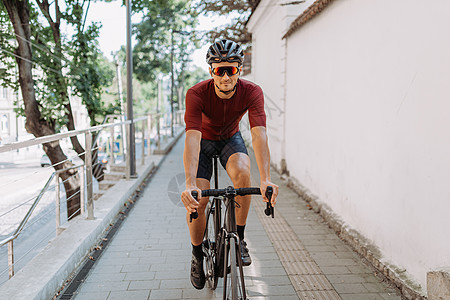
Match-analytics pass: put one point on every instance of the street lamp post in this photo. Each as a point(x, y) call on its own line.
point(172, 77)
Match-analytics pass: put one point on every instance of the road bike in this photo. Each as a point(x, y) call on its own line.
point(221, 241)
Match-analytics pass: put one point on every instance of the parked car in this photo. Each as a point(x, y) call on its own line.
point(45, 161)
point(102, 159)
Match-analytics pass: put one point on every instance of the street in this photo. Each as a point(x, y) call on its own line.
point(21, 180)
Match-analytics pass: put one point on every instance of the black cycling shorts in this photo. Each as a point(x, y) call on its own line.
point(223, 148)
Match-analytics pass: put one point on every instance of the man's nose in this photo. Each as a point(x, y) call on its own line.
point(225, 76)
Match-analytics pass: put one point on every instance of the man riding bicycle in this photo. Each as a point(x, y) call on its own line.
point(214, 108)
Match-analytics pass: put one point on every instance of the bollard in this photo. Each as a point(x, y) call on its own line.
point(88, 164)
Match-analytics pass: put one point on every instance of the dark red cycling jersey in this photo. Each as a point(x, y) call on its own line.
point(217, 118)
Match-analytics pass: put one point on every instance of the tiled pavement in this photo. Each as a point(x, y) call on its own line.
point(295, 255)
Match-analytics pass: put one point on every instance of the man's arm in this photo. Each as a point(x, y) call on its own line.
point(262, 154)
point(190, 159)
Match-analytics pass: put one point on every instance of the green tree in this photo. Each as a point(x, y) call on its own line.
point(41, 51)
point(89, 70)
point(195, 76)
point(165, 33)
point(237, 11)
point(152, 53)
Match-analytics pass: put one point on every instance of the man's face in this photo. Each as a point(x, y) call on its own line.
point(226, 82)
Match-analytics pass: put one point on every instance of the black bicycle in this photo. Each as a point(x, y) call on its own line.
point(221, 241)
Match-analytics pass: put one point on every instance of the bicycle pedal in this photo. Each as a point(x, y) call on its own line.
point(206, 244)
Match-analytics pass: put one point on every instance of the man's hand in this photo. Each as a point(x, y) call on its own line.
point(189, 202)
point(263, 187)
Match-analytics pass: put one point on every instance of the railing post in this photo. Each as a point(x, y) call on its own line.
point(166, 135)
point(158, 130)
point(123, 144)
point(58, 204)
point(143, 143)
point(11, 258)
point(111, 145)
point(88, 164)
point(127, 156)
point(149, 129)
point(82, 190)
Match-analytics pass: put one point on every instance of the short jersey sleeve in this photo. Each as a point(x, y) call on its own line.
point(256, 113)
point(193, 113)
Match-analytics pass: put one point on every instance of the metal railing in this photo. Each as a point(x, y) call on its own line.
point(151, 125)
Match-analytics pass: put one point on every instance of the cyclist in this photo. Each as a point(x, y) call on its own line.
point(213, 110)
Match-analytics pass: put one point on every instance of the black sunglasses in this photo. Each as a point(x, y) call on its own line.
point(220, 71)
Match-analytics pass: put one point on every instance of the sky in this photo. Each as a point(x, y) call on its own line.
point(113, 32)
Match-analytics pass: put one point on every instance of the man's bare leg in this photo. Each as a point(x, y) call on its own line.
point(238, 169)
point(197, 227)
point(196, 230)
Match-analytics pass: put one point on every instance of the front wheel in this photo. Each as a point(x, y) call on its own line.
point(235, 285)
point(209, 248)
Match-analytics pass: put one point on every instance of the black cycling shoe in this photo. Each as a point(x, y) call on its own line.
point(246, 259)
point(197, 273)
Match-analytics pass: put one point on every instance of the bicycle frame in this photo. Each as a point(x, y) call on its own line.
point(220, 239)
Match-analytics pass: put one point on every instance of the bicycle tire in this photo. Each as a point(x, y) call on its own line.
point(236, 287)
point(209, 248)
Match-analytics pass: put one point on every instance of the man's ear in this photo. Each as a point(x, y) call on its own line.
point(210, 72)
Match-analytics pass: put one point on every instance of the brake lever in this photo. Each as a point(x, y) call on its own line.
point(269, 209)
point(194, 215)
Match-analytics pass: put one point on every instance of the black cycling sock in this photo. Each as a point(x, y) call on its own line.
point(240, 231)
point(197, 251)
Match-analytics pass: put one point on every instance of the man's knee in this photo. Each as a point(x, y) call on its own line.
point(238, 168)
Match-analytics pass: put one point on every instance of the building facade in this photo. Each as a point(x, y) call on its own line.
point(12, 126)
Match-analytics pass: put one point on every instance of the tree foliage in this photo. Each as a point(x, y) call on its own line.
point(238, 11)
point(89, 71)
point(45, 72)
point(7, 43)
point(152, 53)
point(61, 64)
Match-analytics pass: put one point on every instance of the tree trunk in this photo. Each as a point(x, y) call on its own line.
point(55, 26)
point(19, 15)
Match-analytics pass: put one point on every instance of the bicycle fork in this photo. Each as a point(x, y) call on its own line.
point(232, 240)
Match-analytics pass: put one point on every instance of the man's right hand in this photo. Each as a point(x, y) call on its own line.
point(189, 202)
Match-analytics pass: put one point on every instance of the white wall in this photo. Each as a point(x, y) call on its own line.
point(268, 24)
point(368, 122)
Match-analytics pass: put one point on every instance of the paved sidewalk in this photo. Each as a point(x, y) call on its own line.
point(295, 255)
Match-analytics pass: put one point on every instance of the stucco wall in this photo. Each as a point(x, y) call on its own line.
point(368, 123)
point(268, 24)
